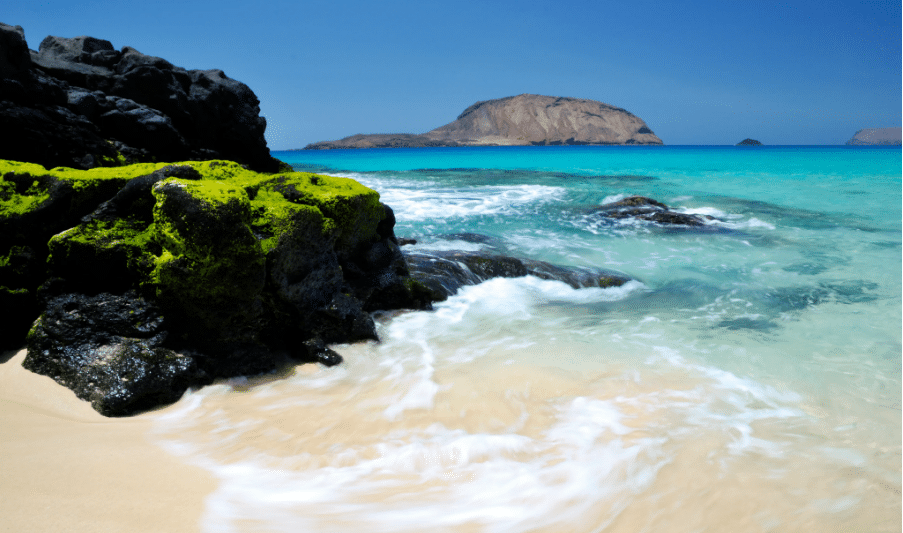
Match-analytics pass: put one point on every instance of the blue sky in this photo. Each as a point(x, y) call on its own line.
point(795, 72)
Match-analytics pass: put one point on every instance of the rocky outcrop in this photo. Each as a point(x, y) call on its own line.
point(522, 120)
point(749, 142)
point(108, 349)
point(445, 272)
point(649, 210)
point(150, 278)
point(147, 279)
point(877, 137)
point(80, 103)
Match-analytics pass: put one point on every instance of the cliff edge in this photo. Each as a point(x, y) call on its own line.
point(523, 120)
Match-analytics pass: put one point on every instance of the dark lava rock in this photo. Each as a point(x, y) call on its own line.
point(317, 350)
point(247, 268)
point(749, 142)
point(642, 208)
point(78, 102)
point(444, 272)
point(108, 350)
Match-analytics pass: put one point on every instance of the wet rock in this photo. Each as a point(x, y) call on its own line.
point(576, 277)
point(108, 350)
point(642, 208)
point(17, 311)
point(442, 273)
point(317, 350)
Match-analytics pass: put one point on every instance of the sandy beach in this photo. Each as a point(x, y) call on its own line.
point(67, 468)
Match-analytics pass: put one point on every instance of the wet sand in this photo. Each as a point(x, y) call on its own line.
point(64, 467)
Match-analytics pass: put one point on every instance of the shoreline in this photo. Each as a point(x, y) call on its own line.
point(68, 468)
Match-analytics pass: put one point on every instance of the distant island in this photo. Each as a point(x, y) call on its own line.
point(522, 120)
point(877, 137)
point(749, 142)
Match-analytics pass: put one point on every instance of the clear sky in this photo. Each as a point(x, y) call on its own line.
point(705, 72)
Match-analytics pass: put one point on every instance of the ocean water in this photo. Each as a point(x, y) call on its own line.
point(747, 379)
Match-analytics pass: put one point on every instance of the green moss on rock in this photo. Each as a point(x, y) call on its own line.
point(204, 250)
point(104, 255)
point(209, 254)
point(354, 209)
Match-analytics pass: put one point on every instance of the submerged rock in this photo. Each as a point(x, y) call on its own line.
point(239, 267)
point(642, 208)
point(443, 273)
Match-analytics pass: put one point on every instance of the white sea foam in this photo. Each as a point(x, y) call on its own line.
point(728, 220)
point(422, 202)
point(613, 198)
point(523, 404)
point(447, 244)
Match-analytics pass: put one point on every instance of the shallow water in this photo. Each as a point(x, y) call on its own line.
point(747, 380)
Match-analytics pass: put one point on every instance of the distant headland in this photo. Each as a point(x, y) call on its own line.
point(521, 120)
point(877, 137)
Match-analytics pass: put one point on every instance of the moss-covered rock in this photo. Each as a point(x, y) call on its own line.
point(99, 255)
point(242, 265)
point(211, 271)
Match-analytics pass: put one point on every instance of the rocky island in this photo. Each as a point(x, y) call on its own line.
point(877, 137)
point(522, 120)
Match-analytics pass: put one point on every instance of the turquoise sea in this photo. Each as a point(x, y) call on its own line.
point(748, 379)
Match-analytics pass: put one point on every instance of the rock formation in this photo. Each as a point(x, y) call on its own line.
point(444, 272)
point(877, 137)
point(749, 142)
point(80, 103)
point(164, 276)
point(149, 278)
point(649, 210)
point(522, 120)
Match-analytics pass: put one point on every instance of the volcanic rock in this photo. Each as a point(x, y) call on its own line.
point(226, 270)
point(443, 273)
point(108, 350)
point(78, 102)
point(642, 208)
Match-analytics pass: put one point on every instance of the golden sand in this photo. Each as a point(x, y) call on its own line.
point(64, 467)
